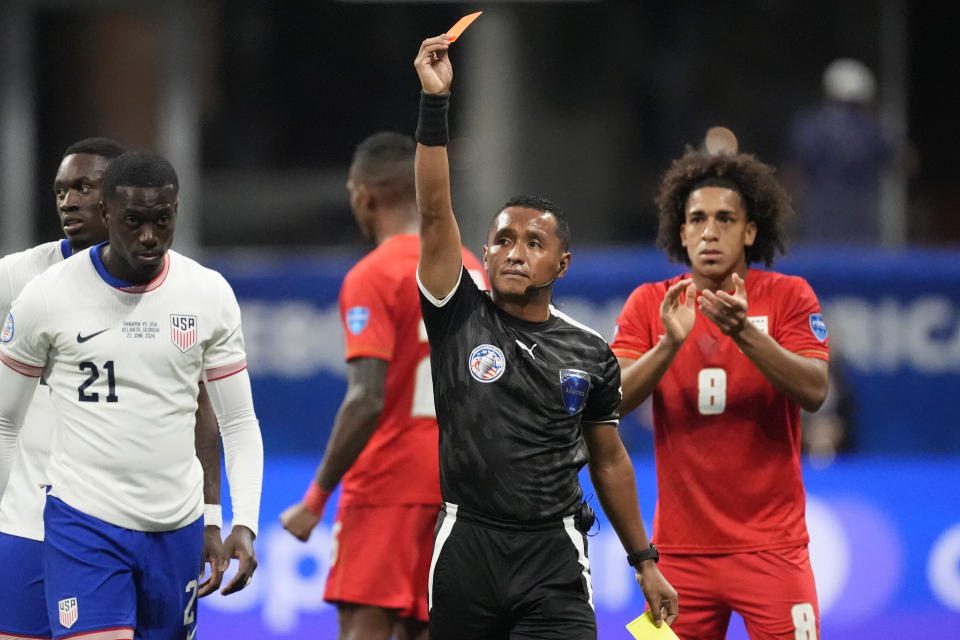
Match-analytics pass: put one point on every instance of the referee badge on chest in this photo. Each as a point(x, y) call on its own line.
point(183, 331)
point(575, 385)
point(487, 363)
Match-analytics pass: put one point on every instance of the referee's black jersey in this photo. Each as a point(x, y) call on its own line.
point(511, 396)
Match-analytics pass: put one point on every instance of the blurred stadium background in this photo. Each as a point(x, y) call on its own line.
point(259, 105)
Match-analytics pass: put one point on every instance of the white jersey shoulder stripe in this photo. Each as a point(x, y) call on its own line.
point(439, 302)
point(579, 325)
point(23, 368)
point(225, 371)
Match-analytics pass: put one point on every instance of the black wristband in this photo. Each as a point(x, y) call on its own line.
point(637, 557)
point(432, 129)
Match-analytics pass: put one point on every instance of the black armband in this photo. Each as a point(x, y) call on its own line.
point(637, 557)
point(432, 129)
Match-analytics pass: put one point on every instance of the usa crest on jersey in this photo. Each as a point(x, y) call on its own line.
point(183, 331)
point(68, 612)
point(574, 385)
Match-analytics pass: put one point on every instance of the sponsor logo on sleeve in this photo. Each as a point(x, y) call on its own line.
point(818, 326)
point(487, 363)
point(7, 334)
point(68, 612)
point(357, 319)
point(183, 331)
point(575, 385)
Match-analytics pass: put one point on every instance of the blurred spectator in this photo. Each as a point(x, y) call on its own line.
point(838, 152)
point(829, 431)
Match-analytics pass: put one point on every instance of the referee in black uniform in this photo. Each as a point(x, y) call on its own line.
point(525, 397)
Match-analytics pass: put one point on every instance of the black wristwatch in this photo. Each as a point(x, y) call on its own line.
point(637, 557)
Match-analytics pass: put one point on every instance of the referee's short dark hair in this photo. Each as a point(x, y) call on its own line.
point(104, 147)
point(138, 169)
point(539, 203)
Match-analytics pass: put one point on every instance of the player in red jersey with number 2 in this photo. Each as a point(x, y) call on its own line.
point(383, 449)
point(730, 355)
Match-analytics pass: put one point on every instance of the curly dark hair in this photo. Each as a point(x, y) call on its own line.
point(765, 200)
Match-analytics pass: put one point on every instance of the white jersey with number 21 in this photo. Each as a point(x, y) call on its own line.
point(123, 364)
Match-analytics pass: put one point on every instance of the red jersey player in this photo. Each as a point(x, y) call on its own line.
point(383, 447)
point(730, 355)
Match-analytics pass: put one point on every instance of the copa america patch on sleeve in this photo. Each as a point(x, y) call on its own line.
point(357, 319)
point(818, 326)
point(574, 384)
point(7, 334)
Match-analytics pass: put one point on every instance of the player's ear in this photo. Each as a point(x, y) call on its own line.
point(750, 234)
point(363, 198)
point(564, 264)
point(484, 256)
point(104, 214)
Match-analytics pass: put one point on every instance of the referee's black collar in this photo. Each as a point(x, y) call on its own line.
point(511, 319)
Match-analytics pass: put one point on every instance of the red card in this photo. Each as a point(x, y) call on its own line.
point(454, 32)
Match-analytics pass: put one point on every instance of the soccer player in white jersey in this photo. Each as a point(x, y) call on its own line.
point(77, 191)
point(121, 334)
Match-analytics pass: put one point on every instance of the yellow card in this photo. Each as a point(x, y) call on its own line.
point(643, 629)
point(454, 32)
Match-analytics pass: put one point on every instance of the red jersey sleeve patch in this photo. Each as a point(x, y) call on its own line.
point(801, 328)
point(366, 310)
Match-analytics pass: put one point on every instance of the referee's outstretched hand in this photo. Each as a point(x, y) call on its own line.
point(433, 65)
point(661, 597)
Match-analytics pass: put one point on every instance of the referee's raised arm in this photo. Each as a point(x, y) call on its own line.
point(440, 251)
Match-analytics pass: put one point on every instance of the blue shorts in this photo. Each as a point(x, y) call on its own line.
point(24, 609)
point(101, 577)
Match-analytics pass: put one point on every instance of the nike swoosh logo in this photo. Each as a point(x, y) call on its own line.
point(81, 339)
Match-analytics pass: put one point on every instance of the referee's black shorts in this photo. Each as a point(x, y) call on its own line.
point(494, 582)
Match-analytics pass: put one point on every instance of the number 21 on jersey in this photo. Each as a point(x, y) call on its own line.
point(712, 391)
